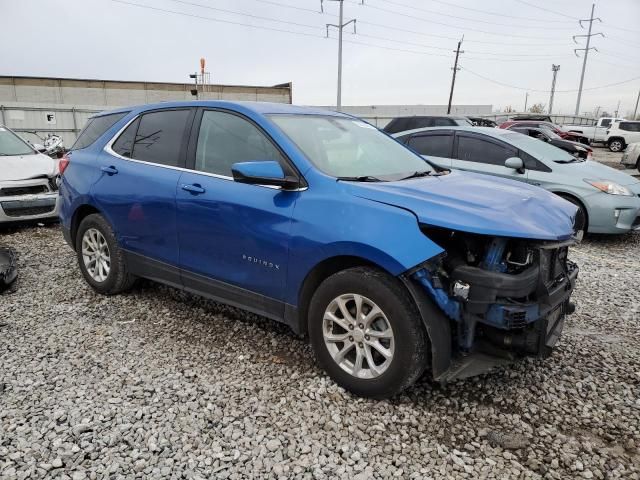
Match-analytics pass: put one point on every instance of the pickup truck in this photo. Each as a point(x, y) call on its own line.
point(595, 133)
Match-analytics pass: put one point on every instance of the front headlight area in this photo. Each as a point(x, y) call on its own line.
point(607, 186)
point(498, 292)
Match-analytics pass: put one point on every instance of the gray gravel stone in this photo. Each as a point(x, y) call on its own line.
point(194, 389)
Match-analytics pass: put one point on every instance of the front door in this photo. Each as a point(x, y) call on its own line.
point(483, 154)
point(234, 237)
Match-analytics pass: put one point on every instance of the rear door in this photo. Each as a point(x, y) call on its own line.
point(437, 146)
point(136, 190)
point(484, 154)
point(631, 131)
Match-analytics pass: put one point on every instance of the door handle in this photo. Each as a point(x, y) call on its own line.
point(110, 170)
point(194, 189)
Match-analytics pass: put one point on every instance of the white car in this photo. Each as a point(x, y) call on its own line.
point(595, 133)
point(622, 134)
point(28, 181)
point(631, 156)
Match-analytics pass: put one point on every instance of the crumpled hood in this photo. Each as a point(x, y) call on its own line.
point(478, 204)
point(591, 170)
point(24, 167)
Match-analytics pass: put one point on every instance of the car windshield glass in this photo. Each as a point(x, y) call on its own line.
point(11, 144)
point(537, 149)
point(350, 148)
point(550, 133)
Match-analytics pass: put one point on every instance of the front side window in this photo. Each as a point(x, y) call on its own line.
point(435, 145)
point(606, 122)
point(11, 144)
point(95, 128)
point(350, 148)
point(158, 138)
point(225, 139)
point(477, 150)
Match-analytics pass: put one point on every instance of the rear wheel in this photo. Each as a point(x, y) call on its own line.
point(616, 145)
point(101, 260)
point(367, 333)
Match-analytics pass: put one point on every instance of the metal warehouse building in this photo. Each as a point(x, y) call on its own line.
point(36, 106)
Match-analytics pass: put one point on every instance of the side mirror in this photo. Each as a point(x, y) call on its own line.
point(263, 173)
point(515, 163)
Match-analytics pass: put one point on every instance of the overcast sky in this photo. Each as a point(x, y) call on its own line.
point(513, 42)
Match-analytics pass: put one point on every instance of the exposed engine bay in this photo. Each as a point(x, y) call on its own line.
point(507, 297)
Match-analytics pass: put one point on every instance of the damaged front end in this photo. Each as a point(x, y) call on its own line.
point(505, 298)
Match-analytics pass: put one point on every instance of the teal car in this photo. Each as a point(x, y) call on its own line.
point(608, 200)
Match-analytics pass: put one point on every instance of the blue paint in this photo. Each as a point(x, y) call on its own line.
point(448, 305)
point(493, 260)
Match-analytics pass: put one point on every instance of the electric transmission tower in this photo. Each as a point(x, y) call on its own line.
point(585, 50)
point(340, 27)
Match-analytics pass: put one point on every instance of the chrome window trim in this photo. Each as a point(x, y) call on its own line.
point(108, 148)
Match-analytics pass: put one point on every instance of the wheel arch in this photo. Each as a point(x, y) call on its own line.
point(80, 214)
point(577, 199)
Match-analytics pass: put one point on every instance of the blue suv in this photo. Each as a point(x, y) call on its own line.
point(389, 264)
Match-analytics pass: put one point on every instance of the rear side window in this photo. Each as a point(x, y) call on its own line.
point(96, 128)
point(433, 145)
point(158, 138)
point(124, 144)
point(606, 122)
point(225, 139)
point(476, 150)
point(630, 127)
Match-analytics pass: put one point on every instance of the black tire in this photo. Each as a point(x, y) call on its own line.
point(118, 279)
point(638, 164)
point(411, 346)
point(616, 144)
point(582, 219)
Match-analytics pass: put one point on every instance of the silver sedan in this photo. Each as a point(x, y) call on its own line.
point(608, 200)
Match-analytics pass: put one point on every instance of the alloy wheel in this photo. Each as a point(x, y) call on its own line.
point(95, 255)
point(358, 336)
point(615, 146)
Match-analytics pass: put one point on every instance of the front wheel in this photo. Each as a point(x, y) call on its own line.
point(366, 332)
point(101, 260)
point(616, 145)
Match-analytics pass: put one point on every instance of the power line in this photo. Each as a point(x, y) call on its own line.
point(415, 32)
point(547, 10)
point(422, 19)
point(468, 19)
point(249, 15)
point(547, 91)
point(503, 15)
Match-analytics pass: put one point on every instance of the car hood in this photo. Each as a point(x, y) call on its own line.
point(24, 167)
point(591, 170)
point(477, 203)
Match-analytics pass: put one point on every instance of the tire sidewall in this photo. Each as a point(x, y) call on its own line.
point(409, 337)
point(98, 222)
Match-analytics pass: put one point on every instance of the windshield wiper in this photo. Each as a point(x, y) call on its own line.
point(425, 173)
point(362, 178)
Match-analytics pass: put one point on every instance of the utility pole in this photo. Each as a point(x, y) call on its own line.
point(617, 110)
point(554, 69)
point(455, 70)
point(526, 101)
point(635, 111)
point(340, 28)
point(586, 51)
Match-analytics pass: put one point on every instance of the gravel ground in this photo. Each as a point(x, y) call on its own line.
point(159, 384)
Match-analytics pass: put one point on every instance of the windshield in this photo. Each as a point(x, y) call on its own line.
point(550, 133)
point(350, 148)
point(11, 144)
point(537, 149)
